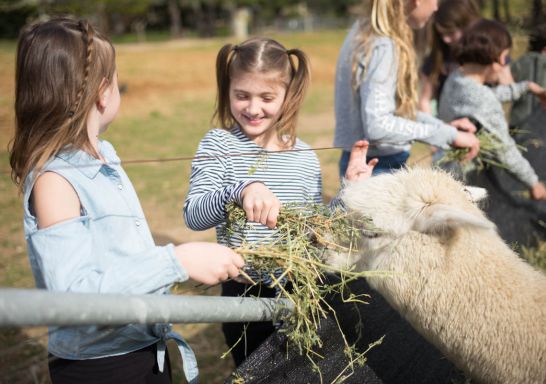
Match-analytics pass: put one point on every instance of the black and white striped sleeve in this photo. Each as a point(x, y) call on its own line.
point(209, 191)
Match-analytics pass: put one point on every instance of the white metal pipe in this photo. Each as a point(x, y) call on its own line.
point(31, 307)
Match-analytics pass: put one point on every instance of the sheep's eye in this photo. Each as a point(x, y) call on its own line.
point(370, 234)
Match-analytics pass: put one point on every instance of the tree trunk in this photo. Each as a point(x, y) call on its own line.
point(538, 13)
point(496, 10)
point(507, 15)
point(174, 16)
point(103, 20)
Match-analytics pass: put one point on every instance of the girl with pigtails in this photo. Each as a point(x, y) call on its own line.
point(261, 87)
point(84, 226)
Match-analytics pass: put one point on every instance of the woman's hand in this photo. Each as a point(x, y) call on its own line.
point(357, 169)
point(467, 140)
point(209, 263)
point(464, 124)
point(260, 204)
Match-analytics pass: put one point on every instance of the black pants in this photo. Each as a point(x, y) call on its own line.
point(139, 367)
point(241, 342)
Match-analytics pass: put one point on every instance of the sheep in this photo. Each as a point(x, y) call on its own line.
point(450, 274)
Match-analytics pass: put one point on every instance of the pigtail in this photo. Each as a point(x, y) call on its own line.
point(295, 94)
point(222, 114)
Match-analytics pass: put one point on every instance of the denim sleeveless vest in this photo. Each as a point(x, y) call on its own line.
point(107, 249)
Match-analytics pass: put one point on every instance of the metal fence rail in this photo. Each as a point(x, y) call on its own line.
point(32, 307)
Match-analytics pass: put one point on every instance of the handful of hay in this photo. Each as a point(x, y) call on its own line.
point(490, 146)
point(298, 248)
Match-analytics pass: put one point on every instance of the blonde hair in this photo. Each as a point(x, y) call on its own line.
point(388, 18)
point(263, 56)
point(61, 66)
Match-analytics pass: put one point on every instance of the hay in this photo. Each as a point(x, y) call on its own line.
point(298, 249)
point(490, 146)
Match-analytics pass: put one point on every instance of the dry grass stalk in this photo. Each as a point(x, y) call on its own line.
point(298, 247)
point(490, 146)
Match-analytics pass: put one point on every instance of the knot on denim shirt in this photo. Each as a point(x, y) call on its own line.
point(164, 332)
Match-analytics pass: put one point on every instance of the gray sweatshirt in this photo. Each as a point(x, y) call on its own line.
point(368, 113)
point(464, 97)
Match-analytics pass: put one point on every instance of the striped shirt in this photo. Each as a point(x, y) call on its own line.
point(218, 179)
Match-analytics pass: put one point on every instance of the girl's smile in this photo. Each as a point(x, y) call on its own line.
point(256, 102)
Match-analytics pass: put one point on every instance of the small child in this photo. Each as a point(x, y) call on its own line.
point(482, 56)
point(530, 67)
point(256, 160)
point(83, 222)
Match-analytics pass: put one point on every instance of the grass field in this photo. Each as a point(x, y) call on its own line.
point(165, 111)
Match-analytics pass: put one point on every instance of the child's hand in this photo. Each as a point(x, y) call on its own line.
point(209, 263)
point(464, 124)
point(539, 92)
point(260, 204)
point(538, 191)
point(357, 169)
point(467, 140)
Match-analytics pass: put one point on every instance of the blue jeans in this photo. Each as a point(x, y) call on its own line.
point(386, 163)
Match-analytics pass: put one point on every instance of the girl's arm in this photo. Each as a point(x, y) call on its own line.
point(64, 248)
point(377, 95)
point(209, 193)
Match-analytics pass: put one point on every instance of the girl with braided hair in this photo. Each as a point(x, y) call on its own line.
point(260, 89)
point(83, 222)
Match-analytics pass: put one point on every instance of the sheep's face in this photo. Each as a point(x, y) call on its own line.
point(414, 200)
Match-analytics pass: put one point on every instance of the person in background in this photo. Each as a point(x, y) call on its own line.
point(530, 67)
point(376, 88)
point(449, 23)
point(482, 56)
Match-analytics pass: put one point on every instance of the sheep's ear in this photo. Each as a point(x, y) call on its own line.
point(438, 217)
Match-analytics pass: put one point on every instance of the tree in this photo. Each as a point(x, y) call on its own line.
point(128, 13)
point(174, 17)
point(537, 16)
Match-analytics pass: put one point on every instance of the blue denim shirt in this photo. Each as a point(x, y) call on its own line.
point(108, 249)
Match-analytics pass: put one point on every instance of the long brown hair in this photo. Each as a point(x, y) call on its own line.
point(451, 15)
point(263, 56)
point(60, 67)
point(387, 18)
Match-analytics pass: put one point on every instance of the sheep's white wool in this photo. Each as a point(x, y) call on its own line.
point(454, 280)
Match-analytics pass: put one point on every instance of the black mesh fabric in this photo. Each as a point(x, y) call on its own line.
point(518, 218)
point(403, 357)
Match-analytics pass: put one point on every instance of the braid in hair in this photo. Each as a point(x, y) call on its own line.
point(87, 35)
